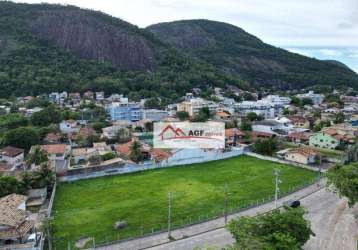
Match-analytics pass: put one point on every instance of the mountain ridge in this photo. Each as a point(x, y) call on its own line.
point(237, 52)
point(45, 48)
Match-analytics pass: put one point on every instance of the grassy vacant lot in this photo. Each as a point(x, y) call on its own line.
point(333, 153)
point(91, 207)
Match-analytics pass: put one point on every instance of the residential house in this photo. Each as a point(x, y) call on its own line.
point(82, 154)
point(15, 223)
point(11, 156)
point(52, 138)
point(128, 111)
point(111, 132)
point(124, 150)
point(324, 140)
point(223, 116)
point(317, 99)
point(302, 155)
point(262, 108)
point(100, 96)
point(88, 95)
point(300, 137)
point(154, 114)
point(75, 97)
point(56, 151)
point(69, 126)
point(271, 127)
point(102, 148)
point(232, 136)
point(300, 122)
point(194, 105)
point(278, 100)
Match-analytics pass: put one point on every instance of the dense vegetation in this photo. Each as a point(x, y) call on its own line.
point(237, 52)
point(285, 229)
point(30, 65)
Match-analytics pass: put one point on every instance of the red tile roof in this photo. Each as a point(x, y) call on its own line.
point(11, 151)
point(55, 149)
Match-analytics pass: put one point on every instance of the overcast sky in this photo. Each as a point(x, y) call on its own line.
point(325, 29)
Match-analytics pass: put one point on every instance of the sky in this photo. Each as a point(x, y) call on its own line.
point(324, 29)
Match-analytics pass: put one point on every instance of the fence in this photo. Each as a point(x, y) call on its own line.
point(273, 159)
point(103, 238)
point(181, 157)
point(52, 199)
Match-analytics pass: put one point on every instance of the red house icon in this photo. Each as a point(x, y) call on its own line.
point(169, 133)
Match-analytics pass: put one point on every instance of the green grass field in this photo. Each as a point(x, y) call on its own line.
point(91, 207)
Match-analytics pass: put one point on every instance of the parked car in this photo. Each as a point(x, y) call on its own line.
point(292, 203)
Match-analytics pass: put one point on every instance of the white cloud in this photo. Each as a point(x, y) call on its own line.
point(331, 52)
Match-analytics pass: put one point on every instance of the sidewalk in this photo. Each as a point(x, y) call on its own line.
point(191, 231)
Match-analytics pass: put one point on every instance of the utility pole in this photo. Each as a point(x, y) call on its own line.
point(226, 203)
point(169, 213)
point(277, 181)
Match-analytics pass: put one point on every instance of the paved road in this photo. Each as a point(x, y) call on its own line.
point(331, 220)
point(200, 234)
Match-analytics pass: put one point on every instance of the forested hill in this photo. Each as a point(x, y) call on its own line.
point(237, 52)
point(45, 48)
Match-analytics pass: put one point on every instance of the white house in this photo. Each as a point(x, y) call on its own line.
point(154, 114)
point(316, 98)
point(261, 107)
point(14, 157)
point(272, 127)
point(69, 126)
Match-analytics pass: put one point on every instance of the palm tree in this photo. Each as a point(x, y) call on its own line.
point(136, 152)
point(37, 156)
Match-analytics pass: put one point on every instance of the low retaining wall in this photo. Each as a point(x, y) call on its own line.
point(273, 159)
point(82, 174)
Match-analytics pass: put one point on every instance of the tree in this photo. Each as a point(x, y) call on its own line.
point(9, 185)
point(246, 126)
point(339, 118)
point(46, 116)
point(306, 101)
point(108, 156)
point(123, 135)
point(203, 115)
point(266, 146)
point(95, 159)
point(152, 103)
point(280, 229)
point(136, 152)
point(148, 126)
point(344, 181)
point(12, 121)
point(182, 115)
point(36, 156)
point(23, 137)
point(252, 116)
point(43, 176)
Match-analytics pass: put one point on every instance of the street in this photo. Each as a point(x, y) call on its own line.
point(331, 220)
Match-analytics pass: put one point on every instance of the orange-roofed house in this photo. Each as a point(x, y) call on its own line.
point(56, 151)
point(303, 155)
point(15, 225)
point(232, 136)
point(223, 116)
